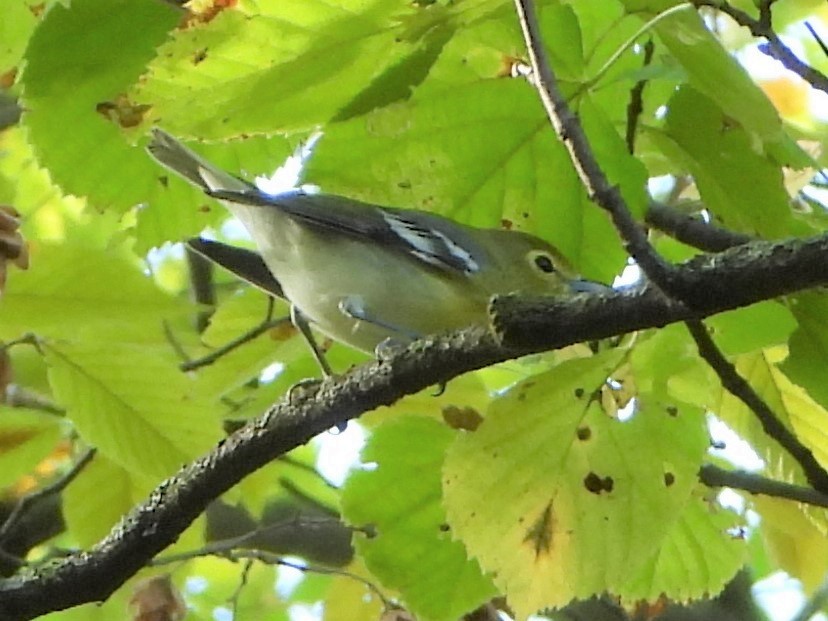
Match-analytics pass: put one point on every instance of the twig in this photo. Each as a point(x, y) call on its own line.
point(234, 599)
point(292, 461)
point(18, 397)
point(568, 127)
point(232, 550)
point(775, 48)
point(713, 476)
point(771, 425)
point(273, 559)
point(57, 486)
point(250, 335)
point(173, 341)
point(636, 104)
point(817, 38)
point(27, 339)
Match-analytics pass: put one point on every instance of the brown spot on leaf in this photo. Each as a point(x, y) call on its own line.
point(466, 417)
point(7, 79)
point(669, 478)
point(200, 56)
point(157, 599)
point(539, 534)
point(672, 410)
point(584, 433)
point(596, 484)
point(122, 111)
point(282, 332)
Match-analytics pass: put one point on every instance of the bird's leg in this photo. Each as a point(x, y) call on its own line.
point(353, 307)
point(301, 322)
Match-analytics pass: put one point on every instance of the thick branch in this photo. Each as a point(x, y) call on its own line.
point(713, 283)
point(736, 278)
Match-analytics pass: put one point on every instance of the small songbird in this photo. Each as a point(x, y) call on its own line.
point(363, 273)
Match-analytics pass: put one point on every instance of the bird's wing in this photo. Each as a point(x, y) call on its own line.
point(428, 238)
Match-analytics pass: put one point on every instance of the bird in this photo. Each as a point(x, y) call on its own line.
point(368, 275)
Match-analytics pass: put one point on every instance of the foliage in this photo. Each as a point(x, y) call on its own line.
point(552, 478)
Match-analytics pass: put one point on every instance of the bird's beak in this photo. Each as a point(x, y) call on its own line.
point(579, 285)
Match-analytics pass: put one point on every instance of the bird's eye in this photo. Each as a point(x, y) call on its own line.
point(544, 263)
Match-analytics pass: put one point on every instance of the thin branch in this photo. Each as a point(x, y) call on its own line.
point(272, 559)
point(250, 335)
point(18, 397)
point(27, 339)
point(635, 107)
point(232, 549)
point(775, 48)
point(771, 425)
point(292, 461)
point(713, 476)
point(234, 599)
point(57, 486)
point(250, 537)
point(568, 127)
point(817, 38)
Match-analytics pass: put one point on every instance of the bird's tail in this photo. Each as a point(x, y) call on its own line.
point(170, 153)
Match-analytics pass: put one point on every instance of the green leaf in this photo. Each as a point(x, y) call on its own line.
point(281, 67)
point(687, 565)
point(93, 50)
point(666, 364)
point(755, 327)
point(795, 543)
point(15, 29)
point(98, 497)
point(84, 292)
point(790, 403)
point(26, 438)
point(709, 66)
point(808, 357)
point(514, 172)
point(133, 404)
point(399, 496)
point(741, 187)
point(576, 514)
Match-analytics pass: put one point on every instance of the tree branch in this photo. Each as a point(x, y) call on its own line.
point(33, 498)
point(771, 425)
point(775, 48)
point(569, 130)
point(714, 283)
point(692, 231)
point(713, 476)
point(723, 282)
